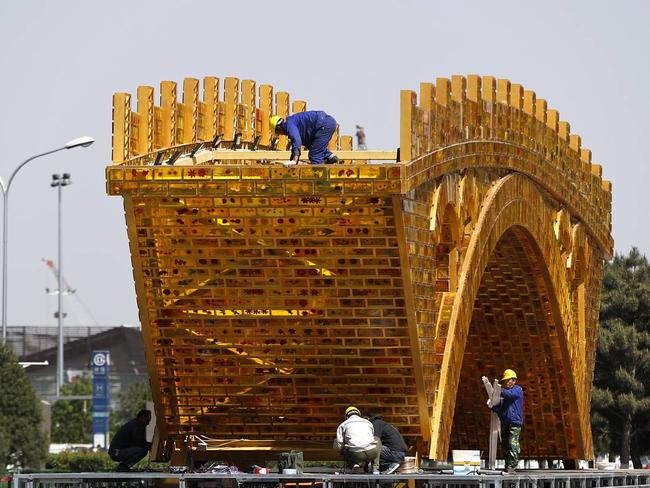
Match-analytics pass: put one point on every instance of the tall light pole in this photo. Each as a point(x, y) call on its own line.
point(79, 142)
point(58, 182)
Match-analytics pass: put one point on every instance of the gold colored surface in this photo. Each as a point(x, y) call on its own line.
point(273, 297)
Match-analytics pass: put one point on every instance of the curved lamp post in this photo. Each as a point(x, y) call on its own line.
point(79, 142)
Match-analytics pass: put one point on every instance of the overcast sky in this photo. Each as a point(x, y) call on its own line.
point(61, 62)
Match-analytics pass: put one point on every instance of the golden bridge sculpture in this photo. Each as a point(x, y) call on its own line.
point(273, 297)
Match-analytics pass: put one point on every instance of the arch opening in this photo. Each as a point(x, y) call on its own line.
point(513, 326)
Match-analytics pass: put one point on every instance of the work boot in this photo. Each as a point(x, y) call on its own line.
point(332, 159)
point(510, 470)
point(123, 468)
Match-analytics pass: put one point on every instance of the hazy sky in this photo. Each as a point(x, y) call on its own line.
point(61, 62)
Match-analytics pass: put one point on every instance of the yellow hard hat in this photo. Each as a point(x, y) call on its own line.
point(509, 374)
point(274, 121)
point(351, 409)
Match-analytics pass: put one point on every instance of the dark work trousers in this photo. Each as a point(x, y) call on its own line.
point(388, 456)
point(129, 455)
point(318, 151)
point(510, 444)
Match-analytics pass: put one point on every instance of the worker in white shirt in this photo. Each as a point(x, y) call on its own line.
point(357, 443)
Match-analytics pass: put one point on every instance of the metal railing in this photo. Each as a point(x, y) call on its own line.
point(522, 479)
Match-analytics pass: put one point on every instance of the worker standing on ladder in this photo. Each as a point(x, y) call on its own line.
point(312, 129)
point(511, 414)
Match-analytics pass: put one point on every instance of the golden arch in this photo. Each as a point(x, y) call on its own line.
point(514, 202)
point(272, 297)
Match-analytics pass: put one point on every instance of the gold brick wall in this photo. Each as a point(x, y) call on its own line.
point(268, 316)
point(271, 297)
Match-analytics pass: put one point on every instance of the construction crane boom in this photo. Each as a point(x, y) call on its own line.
point(50, 264)
point(67, 289)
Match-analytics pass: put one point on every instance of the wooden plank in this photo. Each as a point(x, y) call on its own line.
point(266, 111)
point(282, 109)
point(121, 126)
point(408, 99)
point(145, 111)
point(168, 104)
point(231, 97)
point(248, 99)
point(210, 108)
point(298, 106)
point(425, 419)
point(190, 111)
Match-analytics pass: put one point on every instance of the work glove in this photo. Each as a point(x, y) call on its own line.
point(489, 403)
point(295, 156)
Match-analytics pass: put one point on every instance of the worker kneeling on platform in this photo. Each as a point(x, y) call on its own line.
point(511, 414)
point(393, 447)
point(357, 443)
point(130, 444)
point(312, 129)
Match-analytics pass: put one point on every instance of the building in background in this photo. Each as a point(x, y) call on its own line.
point(35, 344)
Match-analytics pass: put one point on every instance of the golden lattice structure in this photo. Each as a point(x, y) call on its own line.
point(271, 298)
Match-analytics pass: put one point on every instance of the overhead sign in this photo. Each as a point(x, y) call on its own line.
point(100, 365)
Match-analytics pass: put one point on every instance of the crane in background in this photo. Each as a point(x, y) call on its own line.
point(67, 290)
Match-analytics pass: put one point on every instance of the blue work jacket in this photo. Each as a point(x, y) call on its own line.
point(302, 127)
point(511, 408)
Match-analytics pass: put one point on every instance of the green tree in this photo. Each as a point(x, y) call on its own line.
point(72, 419)
point(22, 440)
point(130, 401)
point(4, 449)
point(621, 398)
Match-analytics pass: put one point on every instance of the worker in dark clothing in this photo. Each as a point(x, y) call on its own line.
point(312, 129)
point(130, 444)
point(511, 414)
point(393, 447)
point(361, 138)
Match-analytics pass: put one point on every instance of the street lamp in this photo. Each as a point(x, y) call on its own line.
point(79, 142)
point(58, 182)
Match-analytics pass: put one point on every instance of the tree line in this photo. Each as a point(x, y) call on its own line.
point(621, 396)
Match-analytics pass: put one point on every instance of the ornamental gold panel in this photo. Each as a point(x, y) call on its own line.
point(273, 297)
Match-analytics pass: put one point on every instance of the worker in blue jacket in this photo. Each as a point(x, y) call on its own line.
point(312, 129)
point(511, 414)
